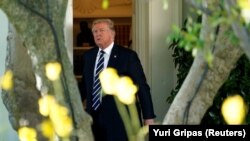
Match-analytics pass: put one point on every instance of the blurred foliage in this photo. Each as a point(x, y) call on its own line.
point(237, 83)
point(182, 61)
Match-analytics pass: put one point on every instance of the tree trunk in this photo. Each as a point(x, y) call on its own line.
point(202, 82)
point(39, 39)
point(22, 103)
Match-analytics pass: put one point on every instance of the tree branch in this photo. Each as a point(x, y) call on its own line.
point(240, 31)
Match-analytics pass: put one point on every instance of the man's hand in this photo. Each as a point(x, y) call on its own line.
point(149, 121)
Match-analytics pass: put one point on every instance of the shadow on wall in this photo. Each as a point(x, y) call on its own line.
point(6, 131)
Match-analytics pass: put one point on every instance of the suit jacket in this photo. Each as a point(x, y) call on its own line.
point(127, 63)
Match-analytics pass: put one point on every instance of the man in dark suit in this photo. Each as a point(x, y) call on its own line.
point(107, 123)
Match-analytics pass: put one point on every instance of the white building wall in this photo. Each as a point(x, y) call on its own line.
point(6, 131)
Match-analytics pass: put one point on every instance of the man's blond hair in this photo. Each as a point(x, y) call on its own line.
point(109, 22)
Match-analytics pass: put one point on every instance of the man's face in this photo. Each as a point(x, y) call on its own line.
point(103, 35)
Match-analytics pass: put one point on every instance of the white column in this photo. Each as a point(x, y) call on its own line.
point(140, 25)
point(151, 26)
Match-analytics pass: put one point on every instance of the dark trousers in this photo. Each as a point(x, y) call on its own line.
point(108, 127)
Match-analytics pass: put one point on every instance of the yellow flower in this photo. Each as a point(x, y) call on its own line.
point(244, 4)
point(105, 4)
point(53, 70)
point(58, 111)
point(27, 134)
point(234, 110)
point(245, 9)
point(108, 78)
point(7, 80)
point(47, 129)
point(63, 126)
point(245, 13)
point(45, 104)
point(122, 87)
point(61, 121)
point(126, 90)
point(165, 4)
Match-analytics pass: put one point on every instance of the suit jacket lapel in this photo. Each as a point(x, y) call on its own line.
point(91, 69)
